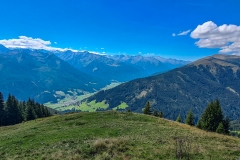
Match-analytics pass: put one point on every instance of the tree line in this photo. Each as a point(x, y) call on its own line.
point(13, 111)
point(211, 120)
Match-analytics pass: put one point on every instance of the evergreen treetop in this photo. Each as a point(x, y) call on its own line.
point(212, 119)
point(179, 119)
point(190, 118)
point(155, 113)
point(161, 115)
point(147, 108)
point(212, 116)
point(13, 111)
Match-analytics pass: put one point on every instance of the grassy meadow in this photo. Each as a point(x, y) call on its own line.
point(112, 135)
point(72, 100)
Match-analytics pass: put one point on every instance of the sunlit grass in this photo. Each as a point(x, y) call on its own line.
point(110, 135)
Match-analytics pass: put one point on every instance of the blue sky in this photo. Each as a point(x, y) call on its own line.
point(126, 26)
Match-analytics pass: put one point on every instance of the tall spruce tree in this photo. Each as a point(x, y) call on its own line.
point(147, 108)
point(13, 113)
point(190, 118)
point(2, 111)
point(211, 117)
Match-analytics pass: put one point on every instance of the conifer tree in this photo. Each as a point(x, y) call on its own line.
point(155, 113)
point(179, 119)
point(13, 114)
point(13, 111)
point(161, 115)
point(212, 116)
point(2, 111)
point(190, 118)
point(147, 108)
point(31, 115)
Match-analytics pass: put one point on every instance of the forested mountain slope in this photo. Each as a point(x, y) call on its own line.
point(179, 90)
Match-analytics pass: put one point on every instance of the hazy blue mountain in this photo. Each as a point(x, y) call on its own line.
point(101, 66)
point(40, 74)
point(3, 49)
point(118, 67)
point(191, 86)
point(150, 64)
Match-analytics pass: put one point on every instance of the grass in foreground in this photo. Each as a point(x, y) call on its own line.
point(111, 135)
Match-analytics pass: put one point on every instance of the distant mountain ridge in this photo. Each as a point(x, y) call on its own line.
point(191, 86)
point(120, 68)
point(101, 66)
point(48, 75)
point(39, 75)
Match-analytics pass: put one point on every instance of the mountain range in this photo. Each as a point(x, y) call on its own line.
point(40, 75)
point(119, 68)
point(175, 92)
point(48, 76)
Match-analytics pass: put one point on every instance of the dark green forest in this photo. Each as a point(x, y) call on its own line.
point(13, 111)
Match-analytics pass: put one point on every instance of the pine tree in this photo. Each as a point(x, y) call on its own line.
point(13, 114)
point(211, 117)
point(179, 119)
point(220, 128)
point(147, 109)
point(31, 115)
point(155, 113)
point(190, 118)
point(2, 111)
point(161, 115)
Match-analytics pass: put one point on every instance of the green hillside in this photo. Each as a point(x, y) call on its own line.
point(112, 135)
point(175, 92)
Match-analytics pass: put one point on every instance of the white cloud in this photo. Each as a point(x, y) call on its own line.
point(184, 33)
point(32, 43)
point(55, 42)
point(225, 37)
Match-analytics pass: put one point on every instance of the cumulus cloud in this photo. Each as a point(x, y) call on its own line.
point(225, 37)
point(32, 43)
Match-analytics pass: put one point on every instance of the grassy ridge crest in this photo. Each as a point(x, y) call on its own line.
point(111, 135)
